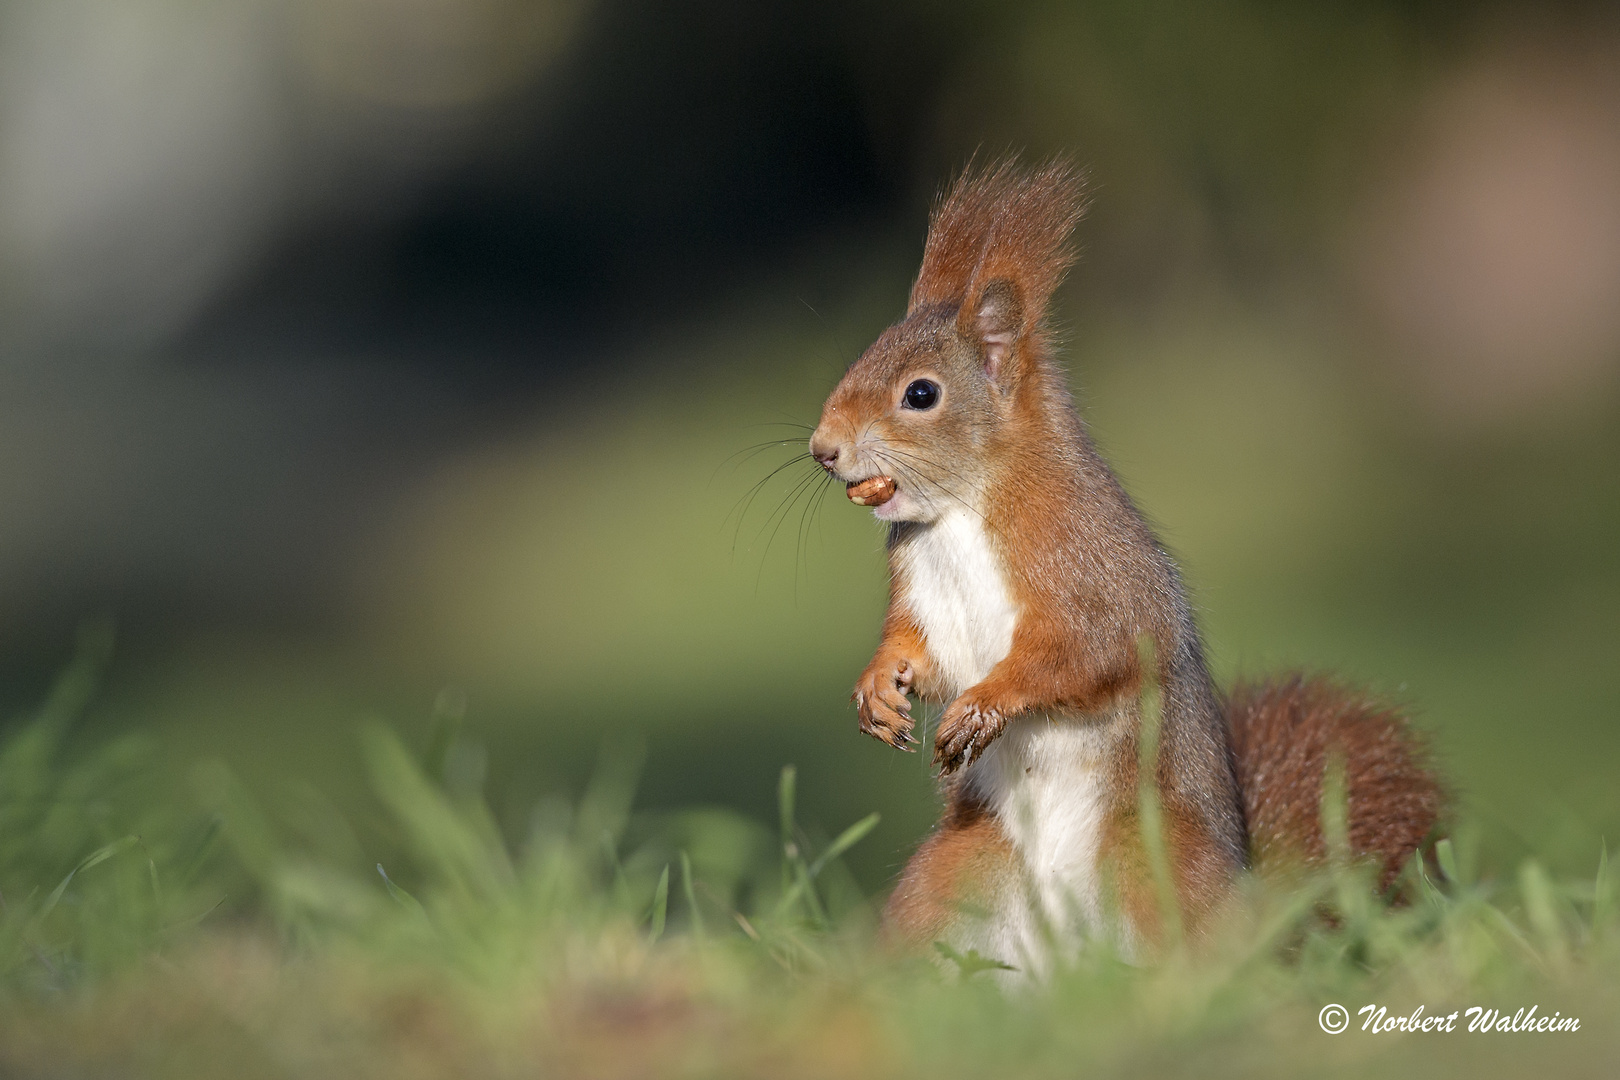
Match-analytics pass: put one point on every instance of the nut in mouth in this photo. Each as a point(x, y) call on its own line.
point(873, 491)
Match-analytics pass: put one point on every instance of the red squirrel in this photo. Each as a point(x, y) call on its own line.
point(1022, 582)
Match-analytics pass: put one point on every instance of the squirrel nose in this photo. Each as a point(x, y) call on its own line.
point(824, 449)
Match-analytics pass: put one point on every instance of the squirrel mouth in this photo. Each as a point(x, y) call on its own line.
point(874, 491)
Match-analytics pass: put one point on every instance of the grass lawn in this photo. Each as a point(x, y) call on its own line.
point(159, 924)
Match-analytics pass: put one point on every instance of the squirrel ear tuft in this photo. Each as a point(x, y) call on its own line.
point(997, 323)
point(998, 244)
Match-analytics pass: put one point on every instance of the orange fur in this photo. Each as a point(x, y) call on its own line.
point(1000, 492)
point(900, 664)
point(1283, 732)
point(955, 874)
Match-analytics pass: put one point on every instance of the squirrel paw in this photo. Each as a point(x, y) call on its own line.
point(885, 711)
point(965, 730)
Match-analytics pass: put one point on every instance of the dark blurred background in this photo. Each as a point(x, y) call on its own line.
point(360, 354)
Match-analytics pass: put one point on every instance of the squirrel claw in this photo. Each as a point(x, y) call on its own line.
point(885, 722)
point(890, 734)
point(965, 732)
point(883, 707)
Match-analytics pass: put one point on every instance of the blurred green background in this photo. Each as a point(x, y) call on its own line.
point(367, 354)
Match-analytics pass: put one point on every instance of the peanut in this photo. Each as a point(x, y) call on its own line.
point(871, 492)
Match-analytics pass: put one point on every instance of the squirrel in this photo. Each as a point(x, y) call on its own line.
point(1023, 585)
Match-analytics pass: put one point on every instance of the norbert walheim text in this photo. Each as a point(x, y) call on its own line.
point(1479, 1019)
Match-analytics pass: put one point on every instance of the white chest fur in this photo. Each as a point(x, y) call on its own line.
point(1043, 778)
point(957, 591)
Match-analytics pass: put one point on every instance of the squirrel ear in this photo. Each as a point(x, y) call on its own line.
point(996, 320)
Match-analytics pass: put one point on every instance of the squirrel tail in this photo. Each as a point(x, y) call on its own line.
point(1283, 732)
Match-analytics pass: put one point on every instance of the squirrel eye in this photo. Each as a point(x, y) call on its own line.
point(922, 394)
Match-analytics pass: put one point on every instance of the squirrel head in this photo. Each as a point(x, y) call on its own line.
point(928, 403)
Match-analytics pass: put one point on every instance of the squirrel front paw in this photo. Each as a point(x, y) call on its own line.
point(967, 727)
point(881, 702)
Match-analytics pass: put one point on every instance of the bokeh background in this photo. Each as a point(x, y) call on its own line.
point(378, 357)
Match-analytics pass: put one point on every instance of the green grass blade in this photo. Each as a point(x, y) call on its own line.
point(451, 841)
point(202, 849)
point(1601, 889)
point(845, 840)
point(611, 792)
point(621, 884)
point(399, 895)
point(449, 714)
point(803, 886)
point(784, 806)
point(1150, 816)
point(1446, 856)
point(95, 858)
point(660, 905)
point(691, 895)
point(1541, 908)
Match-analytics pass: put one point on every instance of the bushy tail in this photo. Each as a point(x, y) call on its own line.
point(1283, 731)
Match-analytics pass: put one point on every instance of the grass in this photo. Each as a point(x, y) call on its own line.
point(164, 925)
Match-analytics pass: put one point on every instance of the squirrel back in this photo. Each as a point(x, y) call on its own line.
point(1022, 581)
